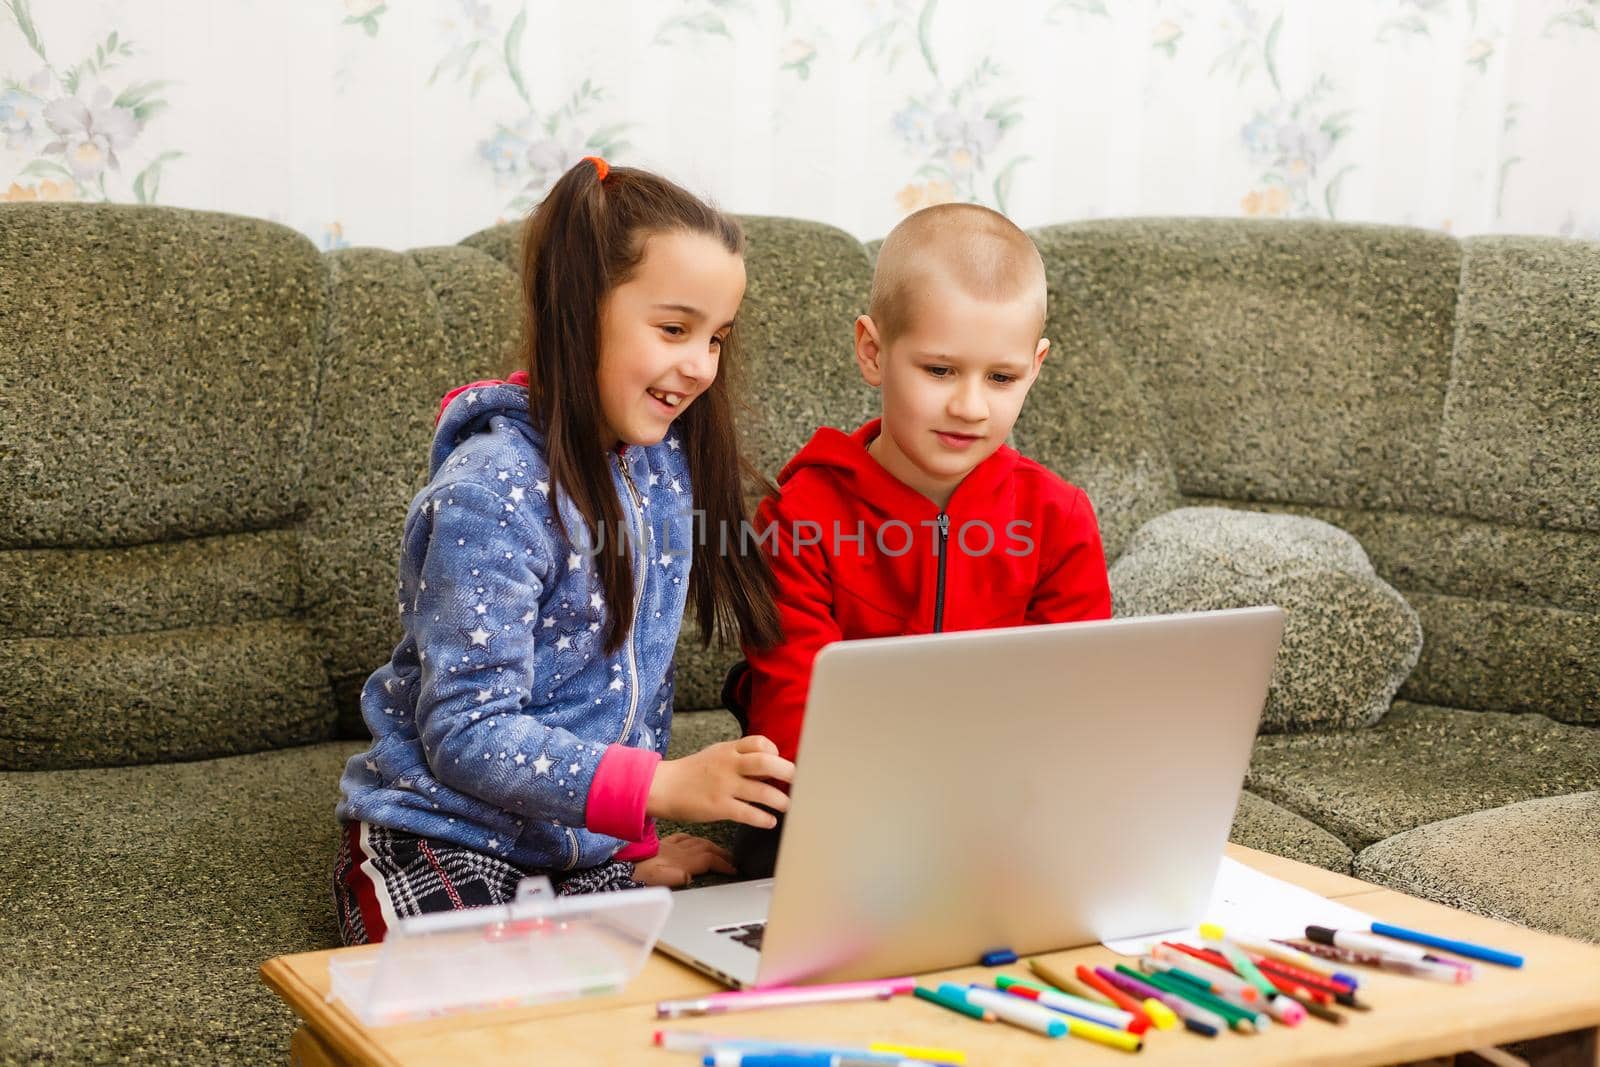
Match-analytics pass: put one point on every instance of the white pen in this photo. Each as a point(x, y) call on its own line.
point(1360, 942)
point(1010, 1009)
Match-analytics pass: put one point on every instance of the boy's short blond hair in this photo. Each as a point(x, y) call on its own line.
point(969, 246)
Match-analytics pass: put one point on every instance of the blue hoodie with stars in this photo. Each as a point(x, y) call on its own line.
point(500, 723)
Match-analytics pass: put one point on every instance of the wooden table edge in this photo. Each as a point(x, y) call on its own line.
point(340, 1034)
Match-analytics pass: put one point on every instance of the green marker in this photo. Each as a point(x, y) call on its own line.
point(958, 1004)
point(1237, 960)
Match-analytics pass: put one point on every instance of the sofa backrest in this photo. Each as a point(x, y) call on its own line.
point(1437, 398)
point(158, 371)
point(211, 433)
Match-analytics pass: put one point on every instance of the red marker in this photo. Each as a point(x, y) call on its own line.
point(1141, 1019)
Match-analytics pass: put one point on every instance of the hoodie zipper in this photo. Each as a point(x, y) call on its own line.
point(638, 597)
point(938, 593)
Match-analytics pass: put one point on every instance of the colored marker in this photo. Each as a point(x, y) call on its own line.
point(1356, 941)
point(1066, 1003)
point(1160, 1015)
point(1460, 948)
point(1212, 934)
point(1084, 1028)
point(1185, 956)
point(1234, 1017)
point(778, 1058)
point(1414, 968)
point(1285, 1009)
point(1090, 1010)
point(1187, 1010)
point(705, 1044)
point(1279, 953)
point(1013, 1010)
point(959, 1005)
point(783, 996)
point(1141, 1020)
point(1060, 981)
point(1252, 1011)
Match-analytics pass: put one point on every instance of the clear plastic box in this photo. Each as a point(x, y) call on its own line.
point(538, 948)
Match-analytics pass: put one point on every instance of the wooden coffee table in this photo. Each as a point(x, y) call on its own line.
point(1557, 991)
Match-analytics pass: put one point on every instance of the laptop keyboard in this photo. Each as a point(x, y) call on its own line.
point(745, 933)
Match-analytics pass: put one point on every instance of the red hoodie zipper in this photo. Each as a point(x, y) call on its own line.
point(938, 592)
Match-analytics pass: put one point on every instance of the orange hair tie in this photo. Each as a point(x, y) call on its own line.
point(601, 167)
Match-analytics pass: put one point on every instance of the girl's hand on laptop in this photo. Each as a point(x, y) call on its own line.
point(682, 856)
point(722, 781)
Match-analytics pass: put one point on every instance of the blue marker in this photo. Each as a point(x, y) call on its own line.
point(1460, 948)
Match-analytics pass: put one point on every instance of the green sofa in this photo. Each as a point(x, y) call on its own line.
point(211, 432)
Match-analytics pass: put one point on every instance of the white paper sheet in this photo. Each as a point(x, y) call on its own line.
point(1249, 902)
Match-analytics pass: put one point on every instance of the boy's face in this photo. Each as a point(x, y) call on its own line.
point(953, 382)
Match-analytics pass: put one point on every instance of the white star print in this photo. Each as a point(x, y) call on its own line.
point(480, 636)
point(503, 475)
point(654, 478)
point(522, 757)
point(481, 608)
point(542, 486)
point(616, 683)
point(563, 643)
point(666, 559)
point(672, 443)
point(574, 769)
point(485, 695)
point(472, 398)
point(517, 493)
point(676, 488)
point(549, 621)
point(594, 627)
point(494, 842)
point(574, 562)
point(596, 600)
point(372, 767)
point(542, 765)
point(529, 616)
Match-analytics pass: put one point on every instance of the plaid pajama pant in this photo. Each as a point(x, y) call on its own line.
point(381, 875)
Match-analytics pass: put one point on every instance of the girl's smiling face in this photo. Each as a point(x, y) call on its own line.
point(661, 334)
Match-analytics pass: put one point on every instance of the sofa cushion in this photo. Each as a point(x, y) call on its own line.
point(163, 368)
point(1349, 639)
point(404, 328)
point(159, 371)
point(1300, 361)
point(1518, 442)
point(1510, 615)
point(1263, 825)
point(140, 901)
point(1419, 765)
point(1536, 863)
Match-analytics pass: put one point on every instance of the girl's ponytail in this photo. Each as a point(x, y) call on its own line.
point(565, 254)
point(585, 238)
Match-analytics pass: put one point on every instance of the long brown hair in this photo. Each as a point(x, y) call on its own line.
point(584, 239)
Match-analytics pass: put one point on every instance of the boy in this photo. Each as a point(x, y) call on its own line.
point(924, 519)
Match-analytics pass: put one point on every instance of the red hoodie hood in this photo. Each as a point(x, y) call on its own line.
point(857, 553)
point(843, 459)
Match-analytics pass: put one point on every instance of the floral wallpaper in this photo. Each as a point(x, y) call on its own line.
point(402, 124)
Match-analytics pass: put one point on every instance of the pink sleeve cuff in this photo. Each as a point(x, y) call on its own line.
point(641, 850)
point(618, 793)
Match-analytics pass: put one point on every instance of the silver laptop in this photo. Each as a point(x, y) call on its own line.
point(1032, 789)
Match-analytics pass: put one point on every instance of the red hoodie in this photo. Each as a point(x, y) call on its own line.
point(1019, 546)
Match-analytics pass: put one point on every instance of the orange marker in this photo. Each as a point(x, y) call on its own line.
point(1141, 1018)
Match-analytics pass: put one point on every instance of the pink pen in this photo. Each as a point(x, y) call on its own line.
point(784, 996)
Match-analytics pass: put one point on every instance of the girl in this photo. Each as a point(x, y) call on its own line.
point(520, 724)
